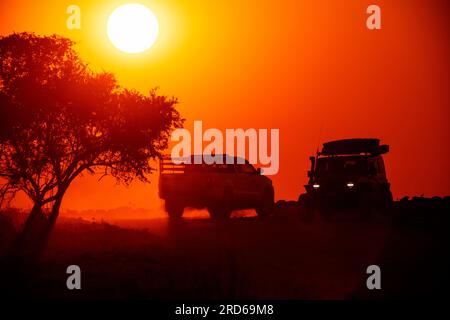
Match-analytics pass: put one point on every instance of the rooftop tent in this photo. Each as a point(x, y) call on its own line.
point(354, 146)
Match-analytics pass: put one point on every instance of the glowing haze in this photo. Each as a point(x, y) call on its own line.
point(310, 68)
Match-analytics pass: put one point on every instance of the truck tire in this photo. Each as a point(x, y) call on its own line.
point(386, 201)
point(222, 209)
point(266, 204)
point(174, 209)
point(366, 206)
point(305, 207)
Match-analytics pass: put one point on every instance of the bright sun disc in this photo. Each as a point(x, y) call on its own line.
point(132, 28)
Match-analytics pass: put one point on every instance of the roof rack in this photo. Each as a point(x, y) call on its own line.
point(353, 147)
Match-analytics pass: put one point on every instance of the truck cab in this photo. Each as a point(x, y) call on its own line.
point(348, 173)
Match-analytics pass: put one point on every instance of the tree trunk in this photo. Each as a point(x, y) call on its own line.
point(19, 265)
point(24, 243)
point(34, 237)
point(42, 241)
point(34, 216)
point(55, 212)
point(51, 222)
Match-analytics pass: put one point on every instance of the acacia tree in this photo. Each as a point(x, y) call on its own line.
point(58, 119)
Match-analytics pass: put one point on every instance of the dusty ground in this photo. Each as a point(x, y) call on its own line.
point(281, 257)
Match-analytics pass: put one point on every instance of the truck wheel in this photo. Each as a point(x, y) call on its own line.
point(305, 207)
point(366, 206)
point(223, 209)
point(266, 204)
point(386, 202)
point(174, 209)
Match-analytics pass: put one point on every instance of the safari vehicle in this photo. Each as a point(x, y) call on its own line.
point(347, 174)
point(219, 187)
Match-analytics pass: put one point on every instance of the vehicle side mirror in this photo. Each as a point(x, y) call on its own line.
point(313, 166)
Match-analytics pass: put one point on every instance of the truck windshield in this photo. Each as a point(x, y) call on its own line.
point(341, 166)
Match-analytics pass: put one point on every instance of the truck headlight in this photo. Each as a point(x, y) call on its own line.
point(316, 186)
point(350, 185)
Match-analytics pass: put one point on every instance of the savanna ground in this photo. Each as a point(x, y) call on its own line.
point(280, 257)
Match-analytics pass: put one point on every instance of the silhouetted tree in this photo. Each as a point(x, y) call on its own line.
point(58, 119)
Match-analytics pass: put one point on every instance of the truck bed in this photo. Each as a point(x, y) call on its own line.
point(181, 180)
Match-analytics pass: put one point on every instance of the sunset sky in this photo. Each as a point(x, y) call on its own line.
point(310, 68)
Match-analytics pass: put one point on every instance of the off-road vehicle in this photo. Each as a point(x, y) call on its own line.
point(347, 174)
point(219, 187)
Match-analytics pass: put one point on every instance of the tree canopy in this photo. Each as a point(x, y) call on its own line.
point(59, 119)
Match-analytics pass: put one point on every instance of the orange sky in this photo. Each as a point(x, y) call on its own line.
point(310, 68)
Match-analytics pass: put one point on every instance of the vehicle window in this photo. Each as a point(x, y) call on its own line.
point(222, 168)
point(246, 168)
point(341, 166)
point(209, 168)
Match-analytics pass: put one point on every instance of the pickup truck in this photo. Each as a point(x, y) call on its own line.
point(218, 187)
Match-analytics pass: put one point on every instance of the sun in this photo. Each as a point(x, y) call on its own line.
point(132, 28)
